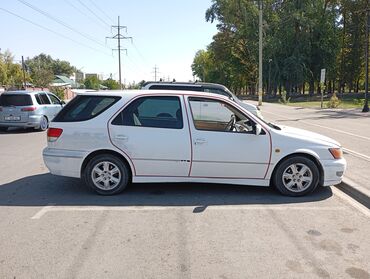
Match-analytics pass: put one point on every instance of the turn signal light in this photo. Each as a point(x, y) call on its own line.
point(54, 133)
point(336, 152)
point(29, 109)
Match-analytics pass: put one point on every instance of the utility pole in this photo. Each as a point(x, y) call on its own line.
point(260, 88)
point(155, 72)
point(119, 37)
point(366, 105)
point(24, 73)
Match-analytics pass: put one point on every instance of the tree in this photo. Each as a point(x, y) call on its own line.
point(10, 72)
point(111, 84)
point(92, 82)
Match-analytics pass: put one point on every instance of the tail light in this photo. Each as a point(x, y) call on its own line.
point(29, 109)
point(54, 134)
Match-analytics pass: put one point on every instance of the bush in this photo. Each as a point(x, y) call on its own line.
point(58, 91)
point(283, 100)
point(359, 102)
point(334, 102)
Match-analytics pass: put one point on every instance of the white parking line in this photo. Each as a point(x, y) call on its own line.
point(321, 126)
point(53, 208)
point(356, 154)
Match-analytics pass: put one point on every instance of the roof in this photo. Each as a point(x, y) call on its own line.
point(63, 79)
point(24, 92)
point(196, 83)
point(139, 92)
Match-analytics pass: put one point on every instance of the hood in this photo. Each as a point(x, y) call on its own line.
point(307, 135)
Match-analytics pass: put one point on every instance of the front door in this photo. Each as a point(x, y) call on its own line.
point(152, 131)
point(224, 142)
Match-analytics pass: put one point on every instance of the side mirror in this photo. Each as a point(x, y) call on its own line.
point(62, 103)
point(257, 129)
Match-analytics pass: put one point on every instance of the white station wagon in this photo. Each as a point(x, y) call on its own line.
point(110, 139)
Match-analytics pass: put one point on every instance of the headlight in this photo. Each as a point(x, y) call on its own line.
point(336, 152)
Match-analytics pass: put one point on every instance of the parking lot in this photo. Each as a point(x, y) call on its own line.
point(54, 227)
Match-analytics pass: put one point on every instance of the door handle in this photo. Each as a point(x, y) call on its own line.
point(121, 137)
point(200, 141)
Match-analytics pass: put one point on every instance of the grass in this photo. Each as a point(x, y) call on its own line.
point(344, 104)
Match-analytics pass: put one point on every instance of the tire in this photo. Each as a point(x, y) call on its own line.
point(3, 129)
point(106, 175)
point(44, 124)
point(296, 176)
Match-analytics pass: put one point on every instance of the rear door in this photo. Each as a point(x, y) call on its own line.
point(11, 106)
point(56, 104)
point(152, 130)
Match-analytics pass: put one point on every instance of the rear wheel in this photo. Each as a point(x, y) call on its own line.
point(296, 176)
point(106, 174)
point(44, 123)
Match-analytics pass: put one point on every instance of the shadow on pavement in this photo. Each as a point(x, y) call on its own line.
point(44, 189)
point(13, 131)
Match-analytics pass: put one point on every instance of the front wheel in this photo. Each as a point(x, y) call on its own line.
point(106, 174)
point(296, 176)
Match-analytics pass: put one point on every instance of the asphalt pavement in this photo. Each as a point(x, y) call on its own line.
point(54, 227)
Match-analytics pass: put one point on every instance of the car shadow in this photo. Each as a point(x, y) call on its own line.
point(20, 131)
point(45, 189)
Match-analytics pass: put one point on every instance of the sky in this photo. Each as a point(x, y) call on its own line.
point(166, 34)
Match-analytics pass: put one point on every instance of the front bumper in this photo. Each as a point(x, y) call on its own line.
point(64, 162)
point(333, 171)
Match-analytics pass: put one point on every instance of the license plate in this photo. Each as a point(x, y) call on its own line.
point(12, 118)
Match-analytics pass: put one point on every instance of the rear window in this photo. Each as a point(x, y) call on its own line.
point(7, 100)
point(83, 108)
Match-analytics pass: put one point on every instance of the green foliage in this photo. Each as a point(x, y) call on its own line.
point(111, 84)
point(92, 82)
point(11, 74)
point(58, 91)
point(300, 38)
point(334, 102)
point(359, 102)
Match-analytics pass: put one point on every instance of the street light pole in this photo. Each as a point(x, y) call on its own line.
point(260, 88)
point(366, 105)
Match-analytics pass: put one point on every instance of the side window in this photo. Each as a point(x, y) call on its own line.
point(214, 115)
point(44, 99)
point(82, 108)
point(218, 91)
point(154, 112)
point(54, 100)
point(38, 99)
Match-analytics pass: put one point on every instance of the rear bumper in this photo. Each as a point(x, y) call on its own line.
point(33, 122)
point(64, 162)
point(333, 171)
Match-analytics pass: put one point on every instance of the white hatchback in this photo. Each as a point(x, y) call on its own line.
point(110, 139)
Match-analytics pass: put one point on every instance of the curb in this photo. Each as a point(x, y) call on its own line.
point(357, 192)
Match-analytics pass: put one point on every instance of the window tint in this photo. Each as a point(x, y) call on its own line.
point(44, 99)
point(213, 115)
point(38, 99)
point(155, 112)
point(83, 108)
point(218, 91)
point(54, 100)
point(15, 100)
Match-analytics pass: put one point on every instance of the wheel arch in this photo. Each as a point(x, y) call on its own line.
point(305, 154)
point(107, 151)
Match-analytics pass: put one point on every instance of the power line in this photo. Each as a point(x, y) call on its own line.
point(119, 37)
point(52, 31)
point(102, 11)
point(60, 22)
point(155, 72)
point(91, 11)
point(98, 23)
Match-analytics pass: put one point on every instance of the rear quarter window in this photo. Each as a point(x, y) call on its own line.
point(7, 100)
point(83, 108)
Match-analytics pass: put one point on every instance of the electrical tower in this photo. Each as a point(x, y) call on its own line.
point(155, 72)
point(119, 37)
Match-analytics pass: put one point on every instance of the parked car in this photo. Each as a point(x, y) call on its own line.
point(27, 109)
point(110, 139)
point(203, 87)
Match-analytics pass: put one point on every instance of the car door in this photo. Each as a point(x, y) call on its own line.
point(47, 107)
point(224, 151)
point(152, 130)
point(56, 104)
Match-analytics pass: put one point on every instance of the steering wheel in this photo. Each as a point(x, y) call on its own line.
point(231, 124)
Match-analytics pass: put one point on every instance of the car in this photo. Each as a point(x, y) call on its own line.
point(113, 138)
point(28, 109)
point(203, 87)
